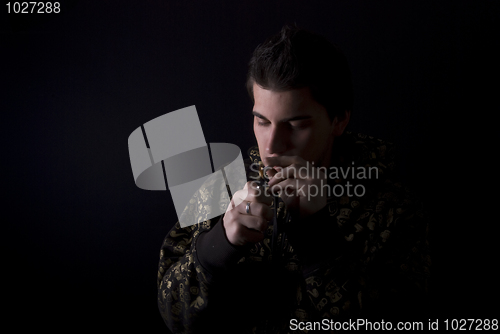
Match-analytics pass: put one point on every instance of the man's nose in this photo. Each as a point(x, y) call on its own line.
point(277, 141)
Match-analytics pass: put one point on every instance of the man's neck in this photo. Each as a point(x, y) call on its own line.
point(327, 158)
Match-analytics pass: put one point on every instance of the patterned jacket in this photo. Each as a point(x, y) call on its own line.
point(359, 257)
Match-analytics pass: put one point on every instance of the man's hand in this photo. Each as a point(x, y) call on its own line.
point(242, 227)
point(298, 183)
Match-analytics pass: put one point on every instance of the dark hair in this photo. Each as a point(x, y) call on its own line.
point(296, 58)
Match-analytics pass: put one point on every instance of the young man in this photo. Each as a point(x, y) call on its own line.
point(329, 239)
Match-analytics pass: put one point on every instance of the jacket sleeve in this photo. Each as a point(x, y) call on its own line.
point(182, 282)
point(195, 262)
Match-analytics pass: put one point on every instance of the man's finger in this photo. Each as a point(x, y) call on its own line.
point(269, 172)
point(257, 193)
point(286, 187)
point(293, 171)
point(283, 161)
point(253, 223)
point(257, 209)
point(252, 191)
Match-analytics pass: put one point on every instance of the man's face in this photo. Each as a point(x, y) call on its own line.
point(292, 123)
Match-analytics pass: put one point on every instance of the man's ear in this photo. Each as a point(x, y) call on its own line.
point(340, 123)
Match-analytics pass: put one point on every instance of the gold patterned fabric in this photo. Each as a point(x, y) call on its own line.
point(364, 256)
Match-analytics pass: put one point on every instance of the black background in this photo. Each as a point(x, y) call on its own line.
point(82, 241)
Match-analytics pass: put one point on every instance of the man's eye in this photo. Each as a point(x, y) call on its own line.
point(298, 125)
point(262, 123)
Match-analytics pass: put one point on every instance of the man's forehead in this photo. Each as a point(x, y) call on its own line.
point(296, 103)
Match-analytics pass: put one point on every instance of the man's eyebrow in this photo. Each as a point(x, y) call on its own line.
point(296, 118)
point(256, 114)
